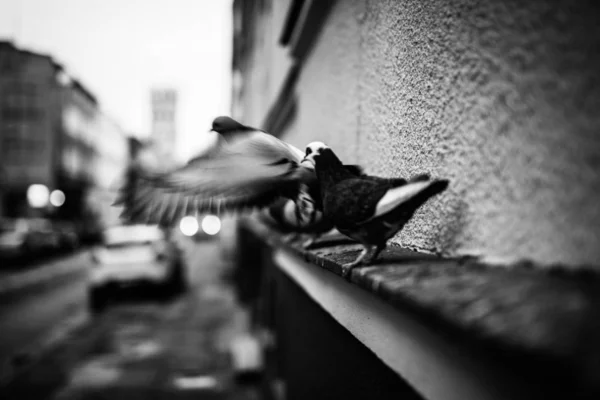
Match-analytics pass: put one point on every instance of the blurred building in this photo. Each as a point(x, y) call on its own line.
point(110, 161)
point(53, 133)
point(77, 144)
point(29, 125)
point(500, 98)
point(164, 129)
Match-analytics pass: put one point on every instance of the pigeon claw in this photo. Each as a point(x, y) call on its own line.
point(292, 237)
point(347, 269)
point(367, 257)
point(307, 244)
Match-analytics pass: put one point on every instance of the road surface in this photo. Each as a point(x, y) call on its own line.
point(139, 348)
point(38, 305)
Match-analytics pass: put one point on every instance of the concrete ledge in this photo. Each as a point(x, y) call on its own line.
point(544, 325)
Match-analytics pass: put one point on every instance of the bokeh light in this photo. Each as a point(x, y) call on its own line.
point(37, 195)
point(211, 224)
point(189, 225)
point(57, 198)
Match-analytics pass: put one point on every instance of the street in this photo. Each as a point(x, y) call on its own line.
point(51, 347)
point(41, 304)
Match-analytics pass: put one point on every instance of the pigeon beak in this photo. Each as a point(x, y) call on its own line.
point(308, 162)
point(211, 130)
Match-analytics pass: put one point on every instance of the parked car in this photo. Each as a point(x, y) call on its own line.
point(67, 235)
point(27, 236)
point(134, 256)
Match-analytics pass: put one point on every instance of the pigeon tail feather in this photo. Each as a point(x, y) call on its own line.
point(415, 192)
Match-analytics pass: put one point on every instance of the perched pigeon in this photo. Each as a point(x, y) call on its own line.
point(247, 169)
point(366, 208)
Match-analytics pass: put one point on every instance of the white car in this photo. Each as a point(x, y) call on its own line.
point(27, 237)
point(134, 256)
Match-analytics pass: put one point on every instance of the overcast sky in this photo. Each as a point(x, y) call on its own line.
point(120, 49)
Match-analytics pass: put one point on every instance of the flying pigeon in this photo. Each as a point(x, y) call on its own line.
point(247, 169)
point(366, 208)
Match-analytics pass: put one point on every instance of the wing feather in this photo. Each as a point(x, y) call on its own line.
point(243, 172)
point(398, 195)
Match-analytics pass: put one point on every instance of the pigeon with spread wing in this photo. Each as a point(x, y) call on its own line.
point(247, 169)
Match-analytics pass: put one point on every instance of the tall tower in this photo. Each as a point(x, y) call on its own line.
point(164, 133)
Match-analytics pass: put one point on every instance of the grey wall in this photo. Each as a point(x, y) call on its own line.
point(501, 97)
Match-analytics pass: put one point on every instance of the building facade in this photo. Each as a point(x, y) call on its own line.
point(501, 98)
point(29, 127)
point(53, 133)
point(164, 128)
point(93, 157)
point(109, 163)
point(77, 145)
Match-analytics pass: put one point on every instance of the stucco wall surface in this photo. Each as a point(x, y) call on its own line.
point(327, 89)
point(501, 97)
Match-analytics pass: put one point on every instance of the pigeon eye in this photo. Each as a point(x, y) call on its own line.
point(308, 151)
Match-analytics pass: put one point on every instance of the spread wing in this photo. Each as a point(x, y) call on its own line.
point(256, 143)
point(239, 174)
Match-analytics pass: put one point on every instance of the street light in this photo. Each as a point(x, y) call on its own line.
point(57, 198)
point(38, 195)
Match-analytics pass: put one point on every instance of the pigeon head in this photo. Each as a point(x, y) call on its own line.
point(313, 150)
point(224, 125)
point(318, 154)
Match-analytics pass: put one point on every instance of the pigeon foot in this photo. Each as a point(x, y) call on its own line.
point(307, 244)
point(372, 259)
point(292, 237)
point(348, 267)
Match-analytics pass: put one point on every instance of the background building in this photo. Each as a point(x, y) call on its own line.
point(500, 98)
point(109, 163)
point(53, 133)
point(77, 145)
point(29, 125)
point(164, 129)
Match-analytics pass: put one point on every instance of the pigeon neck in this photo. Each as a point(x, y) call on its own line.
point(331, 173)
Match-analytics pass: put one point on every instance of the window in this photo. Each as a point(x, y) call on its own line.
point(20, 102)
point(20, 114)
point(8, 63)
point(17, 150)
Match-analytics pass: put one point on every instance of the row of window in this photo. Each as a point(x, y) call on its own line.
point(163, 115)
point(22, 88)
point(164, 96)
point(22, 149)
point(9, 63)
point(20, 114)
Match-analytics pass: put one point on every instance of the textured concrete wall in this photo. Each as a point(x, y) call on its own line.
point(501, 97)
point(328, 96)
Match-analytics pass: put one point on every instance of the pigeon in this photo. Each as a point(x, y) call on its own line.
point(368, 209)
point(246, 170)
point(293, 221)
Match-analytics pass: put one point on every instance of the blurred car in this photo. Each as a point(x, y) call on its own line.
point(27, 236)
point(67, 235)
point(134, 256)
